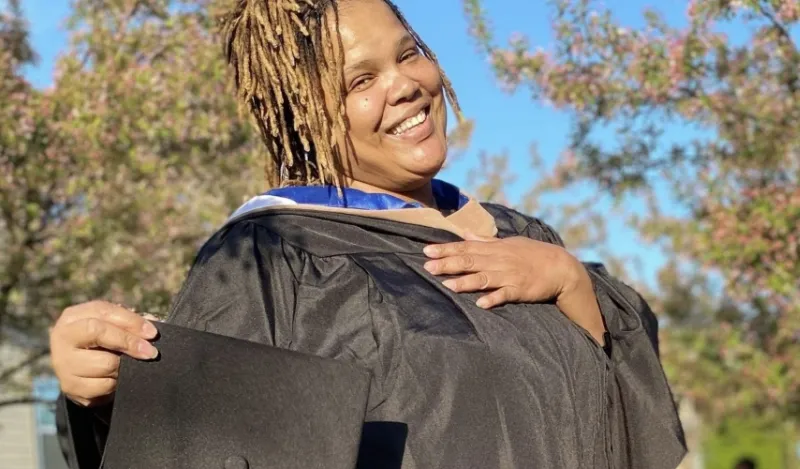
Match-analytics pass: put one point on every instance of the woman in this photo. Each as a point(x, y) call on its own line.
point(494, 345)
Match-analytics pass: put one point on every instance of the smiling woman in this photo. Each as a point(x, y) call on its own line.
point(485, 340)
point(371, 91)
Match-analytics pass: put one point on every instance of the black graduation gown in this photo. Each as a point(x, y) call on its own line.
point(519, 386)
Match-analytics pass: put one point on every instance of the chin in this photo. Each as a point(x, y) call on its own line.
point(428, 168)
point(415, 176)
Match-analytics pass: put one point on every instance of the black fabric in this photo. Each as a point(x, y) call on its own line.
point(81, 435)
point(214, 401)
point(453, 386)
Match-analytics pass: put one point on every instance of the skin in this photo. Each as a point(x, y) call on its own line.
point(503, 268)
point(387, 80)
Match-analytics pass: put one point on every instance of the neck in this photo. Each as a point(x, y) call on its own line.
point(422, 195)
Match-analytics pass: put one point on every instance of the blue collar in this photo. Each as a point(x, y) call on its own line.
point(448, 197)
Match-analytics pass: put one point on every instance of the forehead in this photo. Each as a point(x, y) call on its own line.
point(367, 25)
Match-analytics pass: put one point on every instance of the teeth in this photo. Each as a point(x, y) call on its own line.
point(410, 123)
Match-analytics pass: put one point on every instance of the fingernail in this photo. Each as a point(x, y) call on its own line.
point(430, 250)
point(451, 284)
point(482, 303)
point(147, 350)
point(149, 329)
point(430, 266)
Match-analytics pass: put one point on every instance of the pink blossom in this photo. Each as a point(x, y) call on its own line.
point(789, 11)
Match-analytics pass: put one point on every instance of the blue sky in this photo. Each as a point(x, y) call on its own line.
point(504, 123)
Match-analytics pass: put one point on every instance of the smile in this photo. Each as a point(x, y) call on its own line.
point(411, 124)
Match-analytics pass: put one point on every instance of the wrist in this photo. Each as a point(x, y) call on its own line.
point(576, 278)
point(579, 303)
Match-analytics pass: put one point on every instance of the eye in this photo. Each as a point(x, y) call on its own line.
point(360, 83)
point(410, 54)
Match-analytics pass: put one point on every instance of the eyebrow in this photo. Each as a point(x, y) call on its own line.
point(406, 38)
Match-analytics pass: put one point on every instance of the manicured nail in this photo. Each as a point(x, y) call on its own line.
point(149, 330)
point(147, 350)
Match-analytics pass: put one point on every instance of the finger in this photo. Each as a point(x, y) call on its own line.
point(85, 390)
point(94, 364)
point(437, 251)
point(475, 282)
point(498, 297)
point(94, 333)
point(115, 314)
point(464, 263)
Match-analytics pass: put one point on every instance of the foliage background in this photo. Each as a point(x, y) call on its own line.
point(687, 131)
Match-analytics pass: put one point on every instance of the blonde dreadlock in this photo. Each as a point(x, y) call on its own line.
point(284, 65)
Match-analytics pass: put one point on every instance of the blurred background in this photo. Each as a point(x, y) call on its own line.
point(661, 138)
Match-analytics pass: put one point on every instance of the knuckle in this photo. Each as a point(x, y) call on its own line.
point(104, 386)
point(467, 261)
point(511, 293)
point(64, 385)
point(102, 311)
point(502, 295)
point(74, 388)
point(56, 362)
point(483, 280)
point(109, 364)
point(94, 327)
point(55, 334)
point(131, 342)
point(67, 312)
point(94, 306)
point(108, 385)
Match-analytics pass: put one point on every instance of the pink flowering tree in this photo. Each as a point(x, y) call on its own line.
point(706, 131)
point(112, 177)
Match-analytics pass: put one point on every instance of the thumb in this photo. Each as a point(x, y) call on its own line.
point(150, 317)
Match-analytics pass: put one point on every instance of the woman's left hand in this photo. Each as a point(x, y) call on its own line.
point(519, 270)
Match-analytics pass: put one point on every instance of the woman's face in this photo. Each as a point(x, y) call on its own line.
point(394, 100)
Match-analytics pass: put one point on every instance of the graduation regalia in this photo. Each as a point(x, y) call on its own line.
point(452, 386)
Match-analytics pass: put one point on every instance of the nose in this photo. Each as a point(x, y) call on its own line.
point(403, 88)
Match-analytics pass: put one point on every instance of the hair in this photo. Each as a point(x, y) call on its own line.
point(285, 66)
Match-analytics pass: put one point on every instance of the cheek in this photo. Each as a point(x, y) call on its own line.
point(364, 113)
point(430, 78)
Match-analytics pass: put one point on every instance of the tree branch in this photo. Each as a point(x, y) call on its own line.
point(777, 25)
point(30, 360)
point(22, 400)
point(786, 36)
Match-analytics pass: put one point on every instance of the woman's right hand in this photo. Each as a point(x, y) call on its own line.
point(85, 347)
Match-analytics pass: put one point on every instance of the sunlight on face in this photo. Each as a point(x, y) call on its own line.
point(394, 100)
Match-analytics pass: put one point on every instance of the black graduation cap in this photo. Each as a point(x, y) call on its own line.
point(210, 401)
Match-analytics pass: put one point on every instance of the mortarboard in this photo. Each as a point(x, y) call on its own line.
point(210, 401)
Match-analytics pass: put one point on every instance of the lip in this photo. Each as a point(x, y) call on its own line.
point(418, 133)
point(409, 114)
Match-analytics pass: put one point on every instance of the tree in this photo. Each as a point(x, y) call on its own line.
point(114, 175)
point(723, 197)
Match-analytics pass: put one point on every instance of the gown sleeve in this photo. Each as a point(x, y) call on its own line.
point(240, 285)
point(640, 405)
